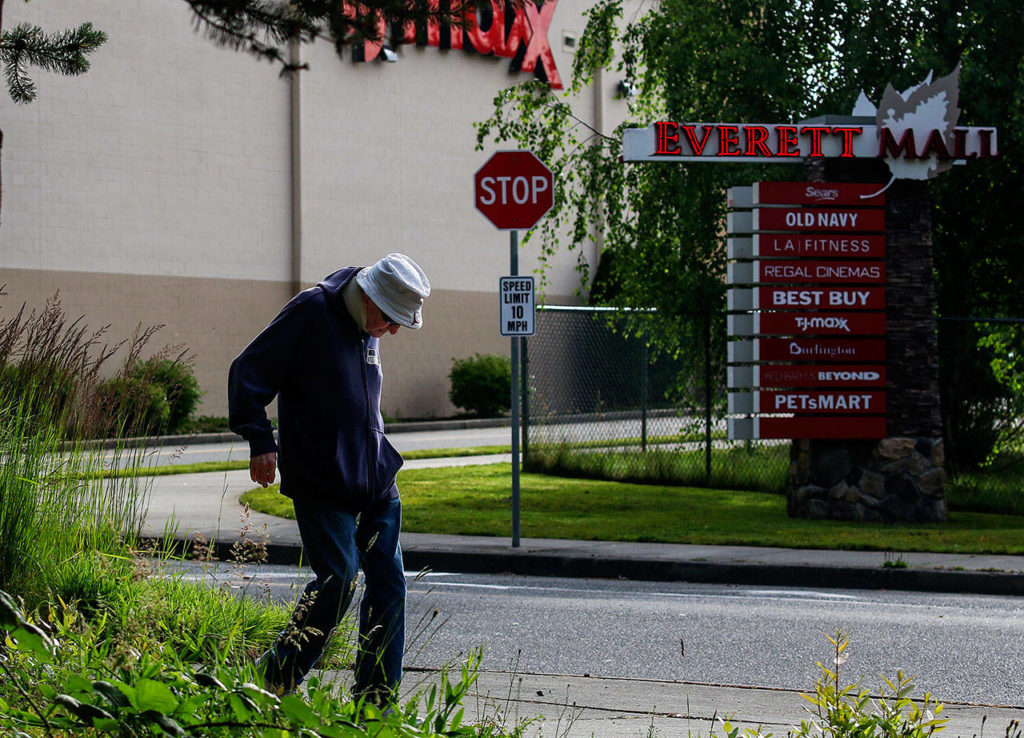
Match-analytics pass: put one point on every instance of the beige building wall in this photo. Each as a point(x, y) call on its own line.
point(181, 184)
point(164, 159)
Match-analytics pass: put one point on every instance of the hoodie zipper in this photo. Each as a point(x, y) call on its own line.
point(371, 482)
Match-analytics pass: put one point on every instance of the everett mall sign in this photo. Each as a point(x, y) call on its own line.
point(915, 131)
point(830, 307)
point(780, 143)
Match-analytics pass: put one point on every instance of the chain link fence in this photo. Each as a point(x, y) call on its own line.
point(981, 376)
point(600, 402)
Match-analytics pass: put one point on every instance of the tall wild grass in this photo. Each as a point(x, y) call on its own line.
point(56, 513)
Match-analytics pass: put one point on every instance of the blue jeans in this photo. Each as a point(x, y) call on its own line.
point(337, 543)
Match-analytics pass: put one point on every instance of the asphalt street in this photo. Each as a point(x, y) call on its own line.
point(645, 651)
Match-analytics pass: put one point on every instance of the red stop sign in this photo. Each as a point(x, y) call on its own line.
point(514, 189)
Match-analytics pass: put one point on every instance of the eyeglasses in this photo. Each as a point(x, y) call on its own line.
point(388, 320)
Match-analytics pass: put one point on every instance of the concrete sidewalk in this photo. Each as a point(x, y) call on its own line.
point(575, 706)
point(580, 707)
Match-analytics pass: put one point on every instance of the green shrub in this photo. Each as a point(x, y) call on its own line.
point(205, 424)
point(481, 384)
point(92, 581)
point(128, 406)
point(180, 386)
point(849, 710)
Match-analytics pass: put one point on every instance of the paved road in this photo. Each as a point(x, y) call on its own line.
point(615, 646)
point(759, 636)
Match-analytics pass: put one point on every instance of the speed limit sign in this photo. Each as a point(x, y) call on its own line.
point(517, 306)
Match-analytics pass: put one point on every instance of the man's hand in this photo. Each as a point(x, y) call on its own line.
point(262, 468)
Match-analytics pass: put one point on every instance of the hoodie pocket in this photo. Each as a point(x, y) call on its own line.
point(388, 462)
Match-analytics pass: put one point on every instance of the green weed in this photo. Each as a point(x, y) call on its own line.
point(52, 508)
point(66, 676)
point(840, 709)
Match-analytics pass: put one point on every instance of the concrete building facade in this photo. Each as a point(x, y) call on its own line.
point(180, 184)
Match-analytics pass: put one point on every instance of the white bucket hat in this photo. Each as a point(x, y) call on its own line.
point(398, 286)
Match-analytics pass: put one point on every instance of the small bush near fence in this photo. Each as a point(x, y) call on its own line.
point(149, 397)
point(481, 384)
point(996, 487)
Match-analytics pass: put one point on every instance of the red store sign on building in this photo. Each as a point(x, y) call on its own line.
point(516, 32)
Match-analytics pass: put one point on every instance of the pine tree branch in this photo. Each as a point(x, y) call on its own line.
point(64, 52)
point(223, 35)
point(256, 27)
point(12, 55)
point(28, 46)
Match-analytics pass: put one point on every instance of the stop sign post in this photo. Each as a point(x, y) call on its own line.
point(514, 190)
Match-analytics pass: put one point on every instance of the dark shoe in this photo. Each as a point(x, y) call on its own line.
point(269, 682)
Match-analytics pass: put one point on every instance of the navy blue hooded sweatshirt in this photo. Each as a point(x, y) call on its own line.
point(326, 374)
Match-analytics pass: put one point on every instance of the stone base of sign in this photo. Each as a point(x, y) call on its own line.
point(887, 481)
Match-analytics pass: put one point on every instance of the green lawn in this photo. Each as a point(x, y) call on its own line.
point(476, 500)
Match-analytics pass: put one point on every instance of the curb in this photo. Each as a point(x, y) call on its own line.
point(437, 425)
point(159, 441)
point(278, 554)
point(527, 563)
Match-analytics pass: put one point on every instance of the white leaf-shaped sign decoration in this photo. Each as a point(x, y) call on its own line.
point(921, 110)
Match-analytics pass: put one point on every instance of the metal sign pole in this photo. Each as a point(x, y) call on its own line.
point(513, 190)
point(513, 245)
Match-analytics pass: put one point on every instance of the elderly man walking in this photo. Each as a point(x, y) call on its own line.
point(320, 357)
